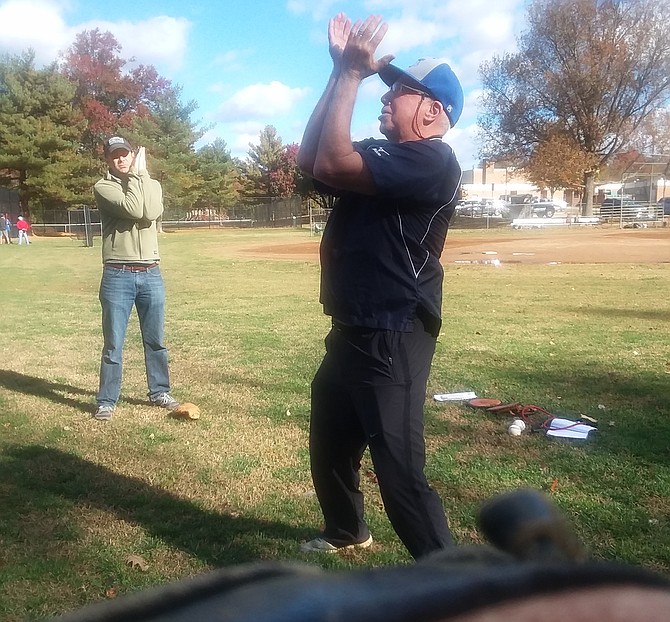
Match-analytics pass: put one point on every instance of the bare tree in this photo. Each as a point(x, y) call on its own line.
point(653, 134)
point(589, 71)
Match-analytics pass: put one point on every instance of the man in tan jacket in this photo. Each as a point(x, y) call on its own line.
point(130, 202)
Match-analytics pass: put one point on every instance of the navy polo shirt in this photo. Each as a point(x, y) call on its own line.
point(380, 254)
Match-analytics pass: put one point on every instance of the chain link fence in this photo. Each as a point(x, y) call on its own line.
point(83, 221)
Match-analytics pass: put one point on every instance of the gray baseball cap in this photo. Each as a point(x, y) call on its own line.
point(114, 143)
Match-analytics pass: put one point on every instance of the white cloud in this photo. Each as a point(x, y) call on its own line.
point(160, 41)
point(238, 136)
point(471, 103)
point(463, 142)
point(249, 127)
point(245, 134)
point(440, 28)
point(409, 32)
point(259, 101)
point(40, 25)
point(372, 89)
point(35, 24)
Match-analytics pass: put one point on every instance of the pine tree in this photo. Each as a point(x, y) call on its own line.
point(40, 133)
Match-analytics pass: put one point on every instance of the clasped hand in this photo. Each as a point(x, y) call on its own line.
point(352, 48)
point(139, 164)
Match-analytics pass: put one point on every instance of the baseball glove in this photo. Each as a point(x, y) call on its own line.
point(186, 410)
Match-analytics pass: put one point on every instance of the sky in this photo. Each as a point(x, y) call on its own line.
point(265, 62)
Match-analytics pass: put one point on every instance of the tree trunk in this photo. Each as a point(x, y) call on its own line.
point(589, 189)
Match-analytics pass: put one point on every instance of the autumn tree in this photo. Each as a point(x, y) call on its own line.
point(110, 96)
point(40, 134)
point(145, 107)
point(588, 71)
point(285, 178)
point(558, 162)
point(262, 161)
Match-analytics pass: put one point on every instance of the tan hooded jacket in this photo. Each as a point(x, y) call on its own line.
point(128, 213)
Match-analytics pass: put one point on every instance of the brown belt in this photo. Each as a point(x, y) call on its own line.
point(132, 267)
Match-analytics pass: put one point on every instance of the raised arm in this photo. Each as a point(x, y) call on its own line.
point(337, 163)
point(151, 189)
point(339, 28)
point(139, 198)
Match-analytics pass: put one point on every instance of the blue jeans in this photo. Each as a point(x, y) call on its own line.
point(119, 290)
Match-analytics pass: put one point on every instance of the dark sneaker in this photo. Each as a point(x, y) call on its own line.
point(319, 545)
point(165, 400)
point(104, 413)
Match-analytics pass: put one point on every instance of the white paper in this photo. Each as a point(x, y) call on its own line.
point(455, 397)
point(565, 428)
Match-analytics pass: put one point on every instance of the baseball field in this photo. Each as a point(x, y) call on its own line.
point(574, 321)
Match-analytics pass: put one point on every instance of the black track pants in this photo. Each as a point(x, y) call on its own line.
point(370, 391)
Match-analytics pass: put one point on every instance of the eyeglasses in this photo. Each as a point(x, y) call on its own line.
point(398, 87)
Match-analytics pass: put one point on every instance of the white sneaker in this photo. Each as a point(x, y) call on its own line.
point(165, 400)
point(319, 545)
point(104, 413)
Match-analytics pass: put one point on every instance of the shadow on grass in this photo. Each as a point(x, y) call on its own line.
point(608, 312)
point(48, 483)
point(56, 392)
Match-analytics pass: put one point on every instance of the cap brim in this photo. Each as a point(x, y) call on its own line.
point(391, 74)
point(118, 148)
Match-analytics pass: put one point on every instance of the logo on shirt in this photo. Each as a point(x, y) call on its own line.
point(380, 151)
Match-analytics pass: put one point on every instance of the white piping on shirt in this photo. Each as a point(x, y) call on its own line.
point(402, 235)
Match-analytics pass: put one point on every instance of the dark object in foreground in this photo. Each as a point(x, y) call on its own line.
point(538, 560)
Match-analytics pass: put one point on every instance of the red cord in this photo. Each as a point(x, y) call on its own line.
point(531, 408)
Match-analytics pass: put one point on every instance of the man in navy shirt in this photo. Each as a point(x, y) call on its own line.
point(381, 282)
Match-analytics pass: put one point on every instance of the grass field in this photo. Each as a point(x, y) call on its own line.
point(91, 510)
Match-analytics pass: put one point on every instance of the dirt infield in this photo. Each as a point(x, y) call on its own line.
point(542, 246)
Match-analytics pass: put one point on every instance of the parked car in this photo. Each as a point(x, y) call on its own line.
point(468, 207)
point(479, 208)
point(540, 208)
point(544, 208)
point(664, 204)
point(497, 208)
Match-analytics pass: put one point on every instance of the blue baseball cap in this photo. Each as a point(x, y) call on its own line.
point(435, 76)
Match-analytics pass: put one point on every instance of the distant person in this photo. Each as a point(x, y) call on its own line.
point(130, 202)
point(381, 283)
point(4, 229)
point(23, 226)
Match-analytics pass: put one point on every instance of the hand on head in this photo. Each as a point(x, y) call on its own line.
point(353, 47)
